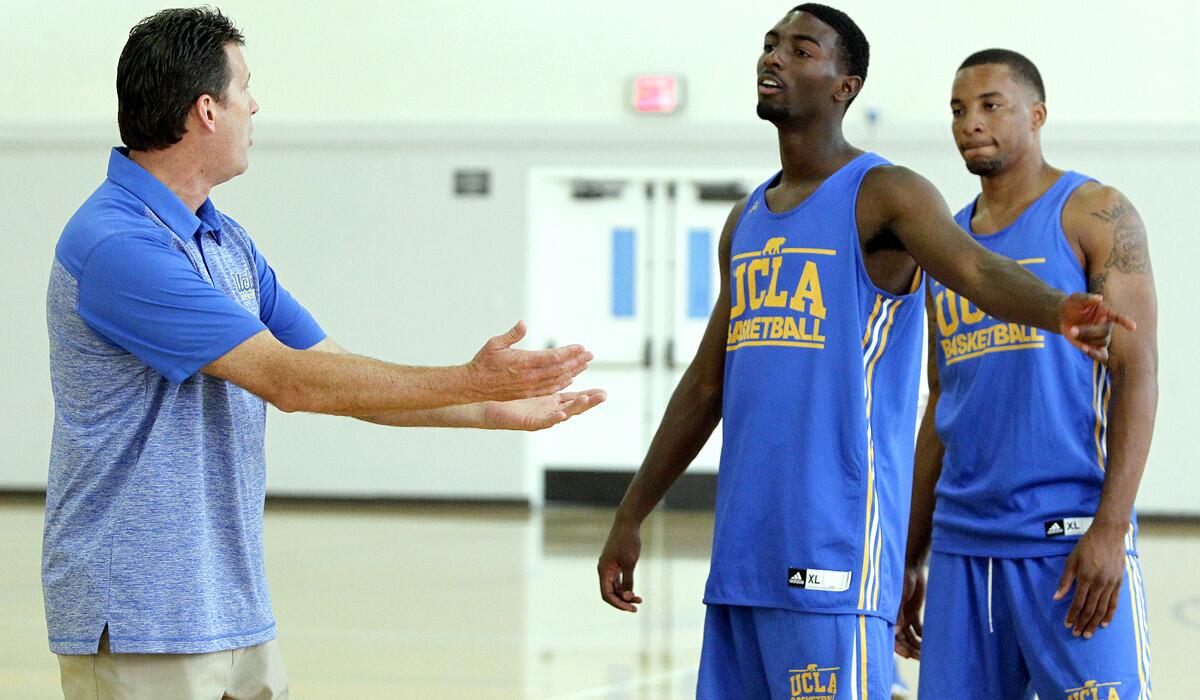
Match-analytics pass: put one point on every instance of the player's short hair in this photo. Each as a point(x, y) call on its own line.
point(854, 52)
point(1022, 68)
point(170, 59)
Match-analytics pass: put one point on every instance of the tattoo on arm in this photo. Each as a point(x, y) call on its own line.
point(1130, 253)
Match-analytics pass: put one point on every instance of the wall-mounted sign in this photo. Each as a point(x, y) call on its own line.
point(472, 182)
point(660, 94)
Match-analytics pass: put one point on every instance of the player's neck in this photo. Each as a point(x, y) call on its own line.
point(178, 172)
point(1013, 190)
point(812, 151)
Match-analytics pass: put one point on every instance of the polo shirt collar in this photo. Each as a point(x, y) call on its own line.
point(165, 204)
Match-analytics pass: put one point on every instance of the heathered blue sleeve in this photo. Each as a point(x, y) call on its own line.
point(288, 320)
point(139, 293)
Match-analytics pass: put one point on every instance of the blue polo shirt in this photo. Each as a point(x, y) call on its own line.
point(157, 474)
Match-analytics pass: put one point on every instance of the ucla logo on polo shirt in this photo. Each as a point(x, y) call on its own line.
point(243, 288)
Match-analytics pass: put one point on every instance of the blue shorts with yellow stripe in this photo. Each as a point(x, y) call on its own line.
point(751, 653)
point(993, 630)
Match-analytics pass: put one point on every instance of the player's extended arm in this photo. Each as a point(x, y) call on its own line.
point(534, 413)
point(1113, 239)
point(691, 416)
point(352, 385)
point(927, 469)
point(914, 210)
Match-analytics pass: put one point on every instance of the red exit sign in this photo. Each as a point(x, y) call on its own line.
point(660, 94)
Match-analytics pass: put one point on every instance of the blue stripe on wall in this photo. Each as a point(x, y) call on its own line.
point(622, 272)
point(699, 290)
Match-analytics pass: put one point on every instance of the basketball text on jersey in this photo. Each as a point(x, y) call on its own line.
point(756, 286)
point(966, 332)
point(1094, 691)
point(813, 683)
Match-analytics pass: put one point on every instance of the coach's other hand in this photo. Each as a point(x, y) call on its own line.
point(500, 372)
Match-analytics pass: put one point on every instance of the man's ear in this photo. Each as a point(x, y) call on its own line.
point(204, 112)
point(848, 88)
point(1038, 115)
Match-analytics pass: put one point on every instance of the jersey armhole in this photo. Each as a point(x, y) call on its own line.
point(860, 258)
point(1063, 240)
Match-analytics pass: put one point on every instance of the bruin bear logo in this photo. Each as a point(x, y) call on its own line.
point(813, 683)
point(773, 245)
point(1094, 691)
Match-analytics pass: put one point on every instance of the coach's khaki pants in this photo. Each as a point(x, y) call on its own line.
point(253, 673)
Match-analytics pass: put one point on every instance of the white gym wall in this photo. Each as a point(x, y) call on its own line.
point(368, 109)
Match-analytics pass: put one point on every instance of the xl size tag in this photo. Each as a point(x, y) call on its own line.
point(819, 579)
point(1067, 527)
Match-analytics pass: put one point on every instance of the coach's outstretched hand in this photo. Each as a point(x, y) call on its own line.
point(1086, 321)
point(615, 568)
point(539, 412)
point(500, 372)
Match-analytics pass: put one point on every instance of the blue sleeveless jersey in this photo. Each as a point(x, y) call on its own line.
point(1022, 413)
point(821, 373)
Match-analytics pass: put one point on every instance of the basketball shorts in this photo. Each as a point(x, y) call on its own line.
point(766, 653)
point(993, 630)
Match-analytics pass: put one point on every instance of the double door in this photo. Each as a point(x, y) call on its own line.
point(625, 262)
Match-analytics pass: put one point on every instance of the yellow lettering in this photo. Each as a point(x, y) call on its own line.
point(756, 266)
point(791, 332)
point(833, 683)
point(970, 314)
point(946, 326)
point(739, 291)
point(797, 688)
point(809, 290)
point(776, 326)
point(1001, 335)
point(774, 298)
point(1112, 694)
